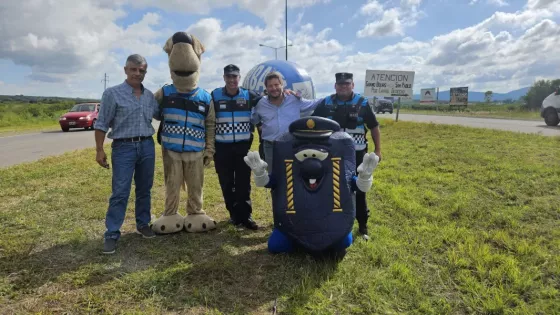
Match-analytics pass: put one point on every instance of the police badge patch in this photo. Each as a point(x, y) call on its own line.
point(241, 102)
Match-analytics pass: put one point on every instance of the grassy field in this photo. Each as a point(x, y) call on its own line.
point(481, 110)
point(464, 221)
point(22, 117)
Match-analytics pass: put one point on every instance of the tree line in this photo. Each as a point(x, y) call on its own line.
point(538, 92)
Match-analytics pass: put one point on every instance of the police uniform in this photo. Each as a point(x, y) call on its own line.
point(353, 116)
point(234, 136)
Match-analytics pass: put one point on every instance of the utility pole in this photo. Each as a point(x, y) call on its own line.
point(105, 80)
point(286, 30)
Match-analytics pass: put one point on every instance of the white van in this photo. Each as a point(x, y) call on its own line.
point(550, 109)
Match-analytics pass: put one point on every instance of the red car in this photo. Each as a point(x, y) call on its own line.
point(80, 116)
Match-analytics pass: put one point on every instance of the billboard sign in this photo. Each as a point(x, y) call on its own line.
point(428, 96)
point(459, 96)
point(387, 83)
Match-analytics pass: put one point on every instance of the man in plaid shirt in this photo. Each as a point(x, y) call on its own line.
point(127, 109)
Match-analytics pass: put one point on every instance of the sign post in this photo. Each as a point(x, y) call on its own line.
point(398, 108)
point(389, 83)
point(437, 99)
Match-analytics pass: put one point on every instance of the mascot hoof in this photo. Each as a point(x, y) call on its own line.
point(168, 224)
point(196, 223)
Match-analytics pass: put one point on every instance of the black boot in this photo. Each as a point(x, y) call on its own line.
point(363, 230)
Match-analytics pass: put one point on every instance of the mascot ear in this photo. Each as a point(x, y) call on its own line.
point(168, 45)
point(197, 46)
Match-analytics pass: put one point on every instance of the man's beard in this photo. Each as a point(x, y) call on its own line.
point(270, 96)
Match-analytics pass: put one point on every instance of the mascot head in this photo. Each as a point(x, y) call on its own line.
point(184, 51)
point(311, 149)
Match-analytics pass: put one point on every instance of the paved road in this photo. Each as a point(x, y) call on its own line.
point(31, 147)
point(34, 146)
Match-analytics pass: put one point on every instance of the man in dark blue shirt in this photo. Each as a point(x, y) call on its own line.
point(353, 114)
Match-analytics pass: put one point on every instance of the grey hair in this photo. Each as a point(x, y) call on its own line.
point(137, 60)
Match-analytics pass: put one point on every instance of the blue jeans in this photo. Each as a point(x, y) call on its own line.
point(278, 242)
point(268, 148)
point(128, 159)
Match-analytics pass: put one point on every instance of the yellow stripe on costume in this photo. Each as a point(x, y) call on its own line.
point(336, 184)
point(289, 187)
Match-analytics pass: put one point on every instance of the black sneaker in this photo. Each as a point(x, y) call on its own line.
point(249, 223)
point(362, 229)
point(146, 232)
point(109, 246)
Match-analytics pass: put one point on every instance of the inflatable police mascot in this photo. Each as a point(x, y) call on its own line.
point(186, 134)
point(313, 183)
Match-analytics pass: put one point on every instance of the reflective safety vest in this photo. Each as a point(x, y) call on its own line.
point(184, 116)
point(346, 114)
point(233, 116)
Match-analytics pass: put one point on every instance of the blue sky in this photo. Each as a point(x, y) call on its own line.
point(65, 49)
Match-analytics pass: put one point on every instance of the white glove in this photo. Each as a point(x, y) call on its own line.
point(365, 171)
point(258, 166)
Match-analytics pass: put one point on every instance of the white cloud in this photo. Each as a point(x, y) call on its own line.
point(67, 49)
point(543, 4)
point(66, 42)
point(499, 3)
point(270, 10)
point(387, 21)
point(389, 25)
point(371, 8)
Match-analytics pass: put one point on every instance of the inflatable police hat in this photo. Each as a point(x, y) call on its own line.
point(231, 69)
point(313, 127)
point(344, 77)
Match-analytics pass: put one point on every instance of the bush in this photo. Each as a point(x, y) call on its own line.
point(16, 114)
point(539, 91)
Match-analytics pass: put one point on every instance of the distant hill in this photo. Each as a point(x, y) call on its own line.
point(42, 99)
point(479, 96)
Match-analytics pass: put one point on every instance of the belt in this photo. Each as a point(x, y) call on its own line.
point(133, 139)
point(268, 141)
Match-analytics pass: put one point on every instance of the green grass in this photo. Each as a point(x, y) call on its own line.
point(22, 117)
point(481, 110)
point(464, 221)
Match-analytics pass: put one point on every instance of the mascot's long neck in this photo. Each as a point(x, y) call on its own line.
point(184, 85)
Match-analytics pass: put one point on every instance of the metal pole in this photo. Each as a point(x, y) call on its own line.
point(398, 108)
point(276, 53)
point(437, 99)
point(286, 30)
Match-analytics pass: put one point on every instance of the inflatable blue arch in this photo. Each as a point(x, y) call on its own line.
point(295, 77)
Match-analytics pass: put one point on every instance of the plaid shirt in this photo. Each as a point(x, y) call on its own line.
point(127, 115)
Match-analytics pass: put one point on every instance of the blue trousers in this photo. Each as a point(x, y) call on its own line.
point(130, 159)
point(278, 242)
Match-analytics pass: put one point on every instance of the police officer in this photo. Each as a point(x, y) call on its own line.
point(234, 136)
point(353, 114)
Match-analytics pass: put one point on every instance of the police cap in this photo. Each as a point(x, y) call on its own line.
point(231, 69)
point(344, 77)
point(313, 127)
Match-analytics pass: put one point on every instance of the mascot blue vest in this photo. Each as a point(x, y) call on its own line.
point(182, 128)
point(313, 185)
